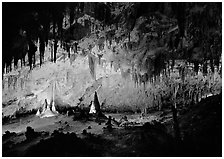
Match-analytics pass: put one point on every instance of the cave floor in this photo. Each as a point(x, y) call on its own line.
point(200, 127)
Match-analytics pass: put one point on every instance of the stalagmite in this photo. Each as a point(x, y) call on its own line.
point(53, 102)
point(53, 108)
point(47, 113)
point(95, 105)
point(92, 108)
point(38, 113)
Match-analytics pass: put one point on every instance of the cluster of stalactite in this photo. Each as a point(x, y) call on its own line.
point(29, 49)
point(14, 51)
point(153, 64)
point(159, 72)
point(14, 82)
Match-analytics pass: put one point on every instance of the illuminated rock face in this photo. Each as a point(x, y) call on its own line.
point(115, 85)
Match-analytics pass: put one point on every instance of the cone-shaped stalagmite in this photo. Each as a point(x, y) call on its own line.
point(96, 103)
point(38, 113)
point(47, 113)
point(92, 108)
point(53, 108)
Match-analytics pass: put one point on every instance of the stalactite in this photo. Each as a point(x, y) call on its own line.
point(55, 50)
point(135, 78)
point(9, 82)
point(42, 50)
point(3, 83)
point(196, 67)
point(174, 111)
point(111, 64)
point(67, 77)
point(15, 82)
point(21, 83)
point(212, 65)
point(92, 64)
point(205, 68)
